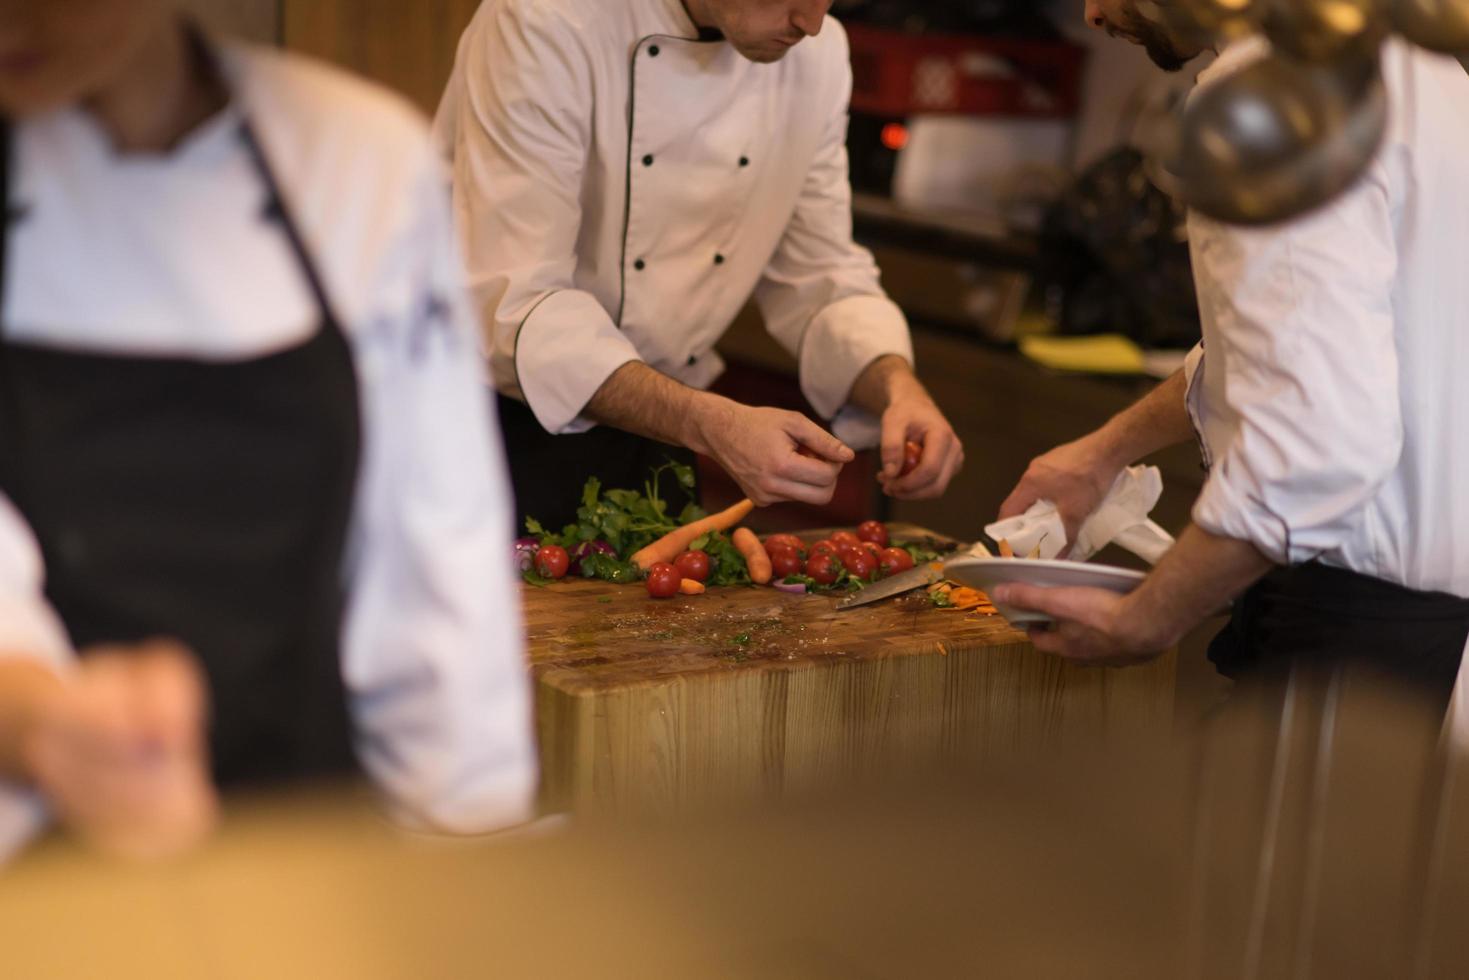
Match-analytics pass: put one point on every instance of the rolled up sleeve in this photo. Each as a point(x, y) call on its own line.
point(821, 294)
point(1303, 317)
point(517, 125)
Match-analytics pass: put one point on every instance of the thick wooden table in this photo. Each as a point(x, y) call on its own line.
point(651, 705)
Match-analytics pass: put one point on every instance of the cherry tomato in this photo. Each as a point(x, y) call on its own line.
point(912, 455)
point(875, 532)
point(894, 560)
point(845, 536)
point(552, 561)
point(860, 563)
point(694, 565)
point(664, 580)
point(783, 541)
point(785, 561)
point(824, 548)
point(823, 568)
point(872, 549)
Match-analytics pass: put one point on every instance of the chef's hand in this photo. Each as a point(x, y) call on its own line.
point(1092, 626)
point(776, 455)
point(1075, 477)
point(119, 752)
point(912, 416)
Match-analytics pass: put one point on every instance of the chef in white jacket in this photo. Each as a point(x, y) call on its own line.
point(1330, 402)
point(253, 520)
point(627, 173)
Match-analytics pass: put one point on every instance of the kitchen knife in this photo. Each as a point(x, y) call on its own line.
point(915, 578)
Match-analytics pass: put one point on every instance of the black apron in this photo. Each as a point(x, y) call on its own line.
point(202, 501)
point(548, 471)
point(1317, 616)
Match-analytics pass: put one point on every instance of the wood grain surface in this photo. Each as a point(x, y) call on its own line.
point(650, 705)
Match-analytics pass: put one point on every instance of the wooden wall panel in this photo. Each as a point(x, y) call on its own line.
point(406, 44)
point(255, 20)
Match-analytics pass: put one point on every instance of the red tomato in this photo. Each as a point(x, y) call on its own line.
point(860, 563)
point(694, 565)
point(894, 560)
point(664, 580)
point(845, 537)
point(823, 568)
point(785, 561)
point(912, 456)
point(872, 549)
point(552, 561)
point(783, 541)
point(875, 532)
point(824, 548)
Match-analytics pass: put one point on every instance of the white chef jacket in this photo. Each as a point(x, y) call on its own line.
point(172, 255)
point(622, 188)
point(1332, 389)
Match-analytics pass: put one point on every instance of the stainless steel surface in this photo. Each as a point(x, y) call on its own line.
point(1280, 138)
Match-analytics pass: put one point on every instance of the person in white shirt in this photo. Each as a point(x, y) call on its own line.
point(253, 517)
point(627, 173)
point(1329, 399)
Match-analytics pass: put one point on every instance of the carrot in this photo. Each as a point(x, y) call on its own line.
point(1005, 550)
point(756, 558)
point(690, 587)
point(677, 541)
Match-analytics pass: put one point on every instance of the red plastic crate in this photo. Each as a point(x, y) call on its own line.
point(898, 74)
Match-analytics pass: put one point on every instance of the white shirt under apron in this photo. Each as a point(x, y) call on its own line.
point(172, 255)
point(1332, 388)
point(623, 188)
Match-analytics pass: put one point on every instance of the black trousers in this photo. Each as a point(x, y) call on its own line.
point(1321, 617)
point(548, 471)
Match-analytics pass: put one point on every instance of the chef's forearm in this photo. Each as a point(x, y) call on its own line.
point(24, 686)
point(1156, 422)
point(884, 381)
point(1198, 577)
point(640, 400)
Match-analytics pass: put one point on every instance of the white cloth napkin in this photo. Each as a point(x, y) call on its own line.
point(1121, 518)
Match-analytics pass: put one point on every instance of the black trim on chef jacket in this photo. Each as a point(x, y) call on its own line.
point(207, 501)
point(1316, 615)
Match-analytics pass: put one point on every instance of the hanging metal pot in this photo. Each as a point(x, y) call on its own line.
point(1280, 138)
point(1438, 25)
point(1325, 30)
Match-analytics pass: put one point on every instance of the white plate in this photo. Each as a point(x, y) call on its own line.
point(986, 573)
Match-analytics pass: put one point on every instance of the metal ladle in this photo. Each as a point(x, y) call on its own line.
point(1280, 138)
point(1438, 25)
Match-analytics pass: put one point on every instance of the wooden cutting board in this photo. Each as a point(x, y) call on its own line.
point(649, 703)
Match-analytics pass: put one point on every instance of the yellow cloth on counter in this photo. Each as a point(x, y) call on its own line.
point(1100, 354)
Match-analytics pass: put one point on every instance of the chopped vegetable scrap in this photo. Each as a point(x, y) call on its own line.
point(950, 595)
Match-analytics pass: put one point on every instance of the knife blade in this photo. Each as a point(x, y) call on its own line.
point(923, 576)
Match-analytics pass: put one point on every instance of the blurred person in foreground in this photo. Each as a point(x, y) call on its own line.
point(253, 529)
point(1328, 398)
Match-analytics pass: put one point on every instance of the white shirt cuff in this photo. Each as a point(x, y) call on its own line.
point(565, 351)
point(1222, 510)
point(841, 342)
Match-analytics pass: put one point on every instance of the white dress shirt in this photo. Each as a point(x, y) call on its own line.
point(171, 255)
point(1332, 388)
point(622, 189)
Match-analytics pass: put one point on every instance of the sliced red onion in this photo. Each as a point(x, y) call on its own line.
point(525, 553)
point(794, 588)
point(585, 550)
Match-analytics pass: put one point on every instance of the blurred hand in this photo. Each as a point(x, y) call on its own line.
point(1094, 626)
point(912, 416)
point(120, 752)
point(1075, 477)
point(775, 455)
